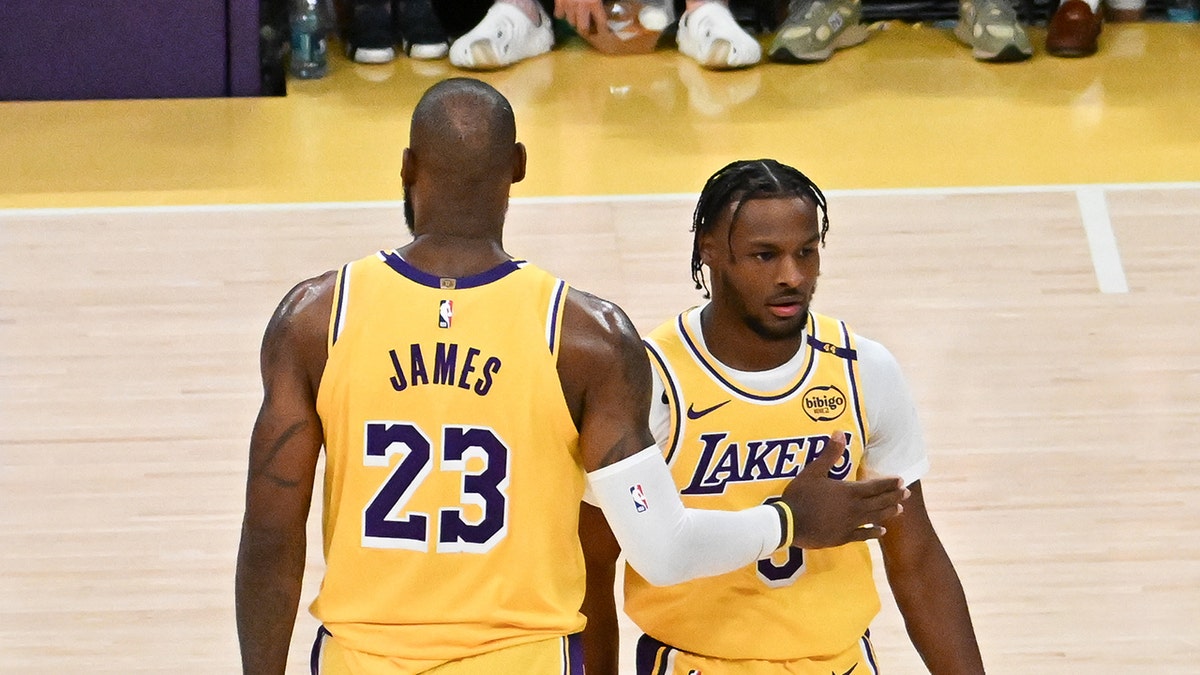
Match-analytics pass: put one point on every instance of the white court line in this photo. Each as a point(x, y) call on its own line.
point(1106, 259)
point(587, 199)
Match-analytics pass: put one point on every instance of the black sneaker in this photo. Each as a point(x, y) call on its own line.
point(422, 33)
point(371, 36)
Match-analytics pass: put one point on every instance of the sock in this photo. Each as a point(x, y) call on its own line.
point(531, 8)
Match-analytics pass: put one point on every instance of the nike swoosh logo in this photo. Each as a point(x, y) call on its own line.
point(694, 414)
point(848, 671)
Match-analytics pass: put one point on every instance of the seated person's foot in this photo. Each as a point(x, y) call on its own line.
point(814, 28)
point(423, 35)
point(505, 36)
point(371, 37)
point(991, 29)
point(710, 35)
point(1074, 30)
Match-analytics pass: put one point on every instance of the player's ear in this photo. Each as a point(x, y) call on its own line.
point(706, 246)
point(519, 158)
point(714, 241)
point(408, 166)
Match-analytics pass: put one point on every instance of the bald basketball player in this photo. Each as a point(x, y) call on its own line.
point(464, 400)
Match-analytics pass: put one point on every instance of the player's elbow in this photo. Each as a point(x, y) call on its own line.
point(662, 570)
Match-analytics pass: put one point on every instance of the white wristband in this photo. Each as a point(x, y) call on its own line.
point(667, 543)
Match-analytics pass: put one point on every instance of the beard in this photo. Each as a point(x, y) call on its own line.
point(773, 329)
point(791, 330)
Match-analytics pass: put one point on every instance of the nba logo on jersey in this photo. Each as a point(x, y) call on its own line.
point(639, 498)
point(445, 313)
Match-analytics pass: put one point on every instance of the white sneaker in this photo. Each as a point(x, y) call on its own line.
point(503, 37)
point(710, 35)
point(427, 52)
point(367, 55)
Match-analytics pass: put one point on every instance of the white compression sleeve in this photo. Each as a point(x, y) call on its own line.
point(667, 543)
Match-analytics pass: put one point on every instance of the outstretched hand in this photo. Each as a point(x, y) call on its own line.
point(586, 16)
point(829, 512)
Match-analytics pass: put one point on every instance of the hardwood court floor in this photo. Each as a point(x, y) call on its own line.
point(1046, 324)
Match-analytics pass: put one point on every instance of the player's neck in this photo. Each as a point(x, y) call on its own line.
point(453, 255)
point(740, 347)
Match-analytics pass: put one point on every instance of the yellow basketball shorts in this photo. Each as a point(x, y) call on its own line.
point(656, 658)
point(553, 656)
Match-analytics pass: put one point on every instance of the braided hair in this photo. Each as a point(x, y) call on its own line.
point(740, 182)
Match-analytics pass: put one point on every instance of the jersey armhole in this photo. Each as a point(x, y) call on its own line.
point(671, 394)
point(554, 316)
point(854, 378)
point(337, 317)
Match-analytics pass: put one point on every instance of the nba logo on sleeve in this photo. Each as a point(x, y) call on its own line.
point(445, 313)
point(639, 498)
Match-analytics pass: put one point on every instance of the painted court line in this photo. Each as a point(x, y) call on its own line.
point(1093, 209)
point(1106, 259)
point(591, 199)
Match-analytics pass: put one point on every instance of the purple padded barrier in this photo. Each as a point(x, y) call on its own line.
point(245, 75)
point(98, 49)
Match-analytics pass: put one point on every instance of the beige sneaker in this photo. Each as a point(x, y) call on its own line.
point(991, 29)
point(815, 28)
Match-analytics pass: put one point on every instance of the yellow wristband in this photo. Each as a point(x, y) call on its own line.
point(787, 520)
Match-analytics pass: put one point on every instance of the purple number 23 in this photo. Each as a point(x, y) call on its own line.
point(386, 522)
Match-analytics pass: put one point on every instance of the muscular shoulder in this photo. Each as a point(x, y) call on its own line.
point(298, 330)
point(595, 327)
point(306, 306)
point(600, 347)
point(597, 322)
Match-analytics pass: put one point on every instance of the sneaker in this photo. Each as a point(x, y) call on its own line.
point(503, 37)
point(991, 29)
point(370, 37)
point(424, 37)
point(815, 28)
point(710, 35)
point(427, 52)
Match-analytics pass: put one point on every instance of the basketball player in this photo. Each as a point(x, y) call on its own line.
point(748, 388)
point(461, 396)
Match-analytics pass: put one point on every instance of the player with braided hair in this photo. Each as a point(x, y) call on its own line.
point(740, 182)
point(749, 388)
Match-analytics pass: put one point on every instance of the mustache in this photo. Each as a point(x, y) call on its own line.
point(793, 296)
point(790, 298)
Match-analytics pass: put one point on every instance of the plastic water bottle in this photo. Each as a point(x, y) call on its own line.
point(308, 40)
point(1182, 11)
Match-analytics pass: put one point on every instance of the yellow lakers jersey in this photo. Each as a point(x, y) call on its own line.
point(453, 476)
point(734, 448)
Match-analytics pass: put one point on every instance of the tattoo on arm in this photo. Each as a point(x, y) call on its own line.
point(626, 446)
point(262, 469)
